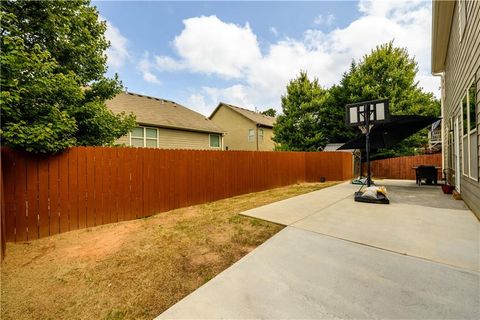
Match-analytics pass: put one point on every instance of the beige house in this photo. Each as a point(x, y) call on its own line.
point(166, 124)
point(456, 58)
point(244, 129)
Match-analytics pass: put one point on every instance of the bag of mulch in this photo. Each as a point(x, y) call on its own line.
point(371, 192)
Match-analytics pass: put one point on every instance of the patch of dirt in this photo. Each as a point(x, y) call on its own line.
point(133, 269)
point(98, 245)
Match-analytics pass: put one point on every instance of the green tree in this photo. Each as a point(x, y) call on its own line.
point(389, 72)
point(298, 128)
point(270, 112)
point(52, 77)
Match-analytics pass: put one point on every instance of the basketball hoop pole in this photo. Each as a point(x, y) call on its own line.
point(367, 143)
point(365, 115)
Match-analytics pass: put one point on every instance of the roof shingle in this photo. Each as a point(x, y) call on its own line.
point(256, 117)
point(161, 113)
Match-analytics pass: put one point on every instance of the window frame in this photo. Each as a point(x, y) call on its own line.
point(145, 138)
point(467, 164)
point(219, 140)
point(251, 137)
point(260, 136)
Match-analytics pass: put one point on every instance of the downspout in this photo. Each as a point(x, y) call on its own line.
point(257, 134)
point(442, 107)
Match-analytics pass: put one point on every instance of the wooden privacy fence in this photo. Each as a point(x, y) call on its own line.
point(90, 186)
point(402, 167)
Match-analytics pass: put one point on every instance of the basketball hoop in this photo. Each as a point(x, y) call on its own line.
point(365, 115)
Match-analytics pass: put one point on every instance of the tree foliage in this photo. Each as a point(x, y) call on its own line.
point(299, 127)
point(52, 77)
point(270, 112)
point(387, 72)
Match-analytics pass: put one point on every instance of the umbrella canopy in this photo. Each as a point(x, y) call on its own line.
point(388, 134)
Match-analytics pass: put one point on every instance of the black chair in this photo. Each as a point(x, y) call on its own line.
point(429, 173)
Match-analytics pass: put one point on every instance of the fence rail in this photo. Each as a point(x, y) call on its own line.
point(402, 167)
point(89, 186)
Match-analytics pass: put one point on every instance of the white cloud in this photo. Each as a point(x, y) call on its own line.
point(211, 46)
point(145, 68)
point(326, 20)
point(197, 103)
point(168, 64)
point(274, 31)
point(117, 53)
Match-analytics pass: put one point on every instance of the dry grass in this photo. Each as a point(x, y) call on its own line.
point(134, 269)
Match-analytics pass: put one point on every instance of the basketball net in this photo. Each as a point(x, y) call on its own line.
point(364, 128)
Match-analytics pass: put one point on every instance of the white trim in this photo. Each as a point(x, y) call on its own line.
point(468, 174)
point(464, 135)
point(252, 136)
point(219, 141)
point(456, 138)
point(157, 139)
point(469, 156)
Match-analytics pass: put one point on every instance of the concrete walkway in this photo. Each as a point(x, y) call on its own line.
point(415, 258)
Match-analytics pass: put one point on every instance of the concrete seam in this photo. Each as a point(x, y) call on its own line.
point(391, 251)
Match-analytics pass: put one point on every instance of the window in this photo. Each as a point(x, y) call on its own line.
point(144, 137)
point(260, 134)
point(470, 140)
point(214, 141)
point(251, 134)
point(465, 114)
point(472, 119)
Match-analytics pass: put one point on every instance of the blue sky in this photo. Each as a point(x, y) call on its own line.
point(244, 53)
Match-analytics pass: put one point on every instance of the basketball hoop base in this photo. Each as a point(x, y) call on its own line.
point(381, 199)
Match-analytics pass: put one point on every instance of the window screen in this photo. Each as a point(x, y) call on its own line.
point(214, 141)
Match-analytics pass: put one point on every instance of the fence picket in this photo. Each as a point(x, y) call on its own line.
point(402, 167)
point(88, 186)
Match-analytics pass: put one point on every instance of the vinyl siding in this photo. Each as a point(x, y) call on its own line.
point(267, 144)
point(125, 140)
point(236, 129)
point(179, 139)
point(461, 68)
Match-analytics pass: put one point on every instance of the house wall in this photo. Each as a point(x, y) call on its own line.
point(461, 68)
point(268, 144)
point(237, 127)
point(179, 139)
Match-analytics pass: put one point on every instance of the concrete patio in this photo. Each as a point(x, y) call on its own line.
point(415, 258)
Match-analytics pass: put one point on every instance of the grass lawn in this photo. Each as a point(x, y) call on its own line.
point(134, 269)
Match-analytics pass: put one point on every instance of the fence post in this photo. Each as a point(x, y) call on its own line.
point(2, 215)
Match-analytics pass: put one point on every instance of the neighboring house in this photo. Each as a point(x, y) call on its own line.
point(435, 137)
point(244, 129)
point(166, 124)
point(456, 57)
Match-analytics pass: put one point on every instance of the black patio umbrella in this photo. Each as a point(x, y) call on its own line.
point(390, 133)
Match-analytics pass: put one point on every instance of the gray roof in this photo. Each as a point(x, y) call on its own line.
point(335, 146)
point(256, 117)
point(161, 113)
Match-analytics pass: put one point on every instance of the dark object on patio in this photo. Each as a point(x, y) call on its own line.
point(429, 173)
point(381, 198)
point(388, 134)
point(447, 189)
point(456, 195)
